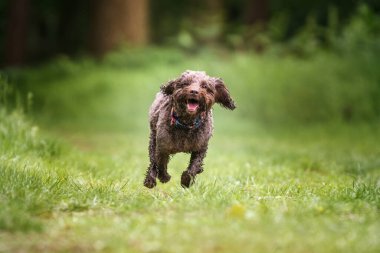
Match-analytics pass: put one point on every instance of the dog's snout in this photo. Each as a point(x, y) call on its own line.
point(195, 92)
point(194, 89)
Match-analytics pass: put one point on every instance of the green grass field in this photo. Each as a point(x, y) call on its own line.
point(274, 180)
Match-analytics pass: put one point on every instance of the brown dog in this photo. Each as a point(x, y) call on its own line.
point(181, 121)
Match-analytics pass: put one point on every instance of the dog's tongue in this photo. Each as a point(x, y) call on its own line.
point(192, 106)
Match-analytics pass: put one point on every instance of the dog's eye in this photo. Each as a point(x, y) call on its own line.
point(207, 88)
point(210, 90)
point(182, 84)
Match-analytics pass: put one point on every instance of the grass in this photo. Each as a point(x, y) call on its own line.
point(76, 184)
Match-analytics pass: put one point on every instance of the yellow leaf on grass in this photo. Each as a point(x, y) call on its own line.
point(236, 211)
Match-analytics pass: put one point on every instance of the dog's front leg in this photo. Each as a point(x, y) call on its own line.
point(195, 167)
point(151, 174)
point(162, 164)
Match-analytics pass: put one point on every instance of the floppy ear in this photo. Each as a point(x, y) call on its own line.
point(168, 88)
point(222, 95)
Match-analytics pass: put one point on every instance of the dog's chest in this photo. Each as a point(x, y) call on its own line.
point(183, 141)
point(187, 142)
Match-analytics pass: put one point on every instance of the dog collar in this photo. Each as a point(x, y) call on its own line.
point(177, 123)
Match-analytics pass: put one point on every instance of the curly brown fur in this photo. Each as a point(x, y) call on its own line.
point(181, 121)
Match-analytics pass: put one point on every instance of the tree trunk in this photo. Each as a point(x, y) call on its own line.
point(257, 11)
point(73, 26)
point(117, 22)
point(257, 16)
point(16, 34)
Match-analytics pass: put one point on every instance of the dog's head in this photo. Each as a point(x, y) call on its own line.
point(195, 92)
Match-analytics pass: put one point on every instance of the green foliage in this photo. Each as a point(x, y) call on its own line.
point(270, 90)
point(346, 36)
point(320, 90)
point(290, 84)
point(16, 133)
point(361, 34)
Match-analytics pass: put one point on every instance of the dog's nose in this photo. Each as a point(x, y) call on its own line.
point(195, 92)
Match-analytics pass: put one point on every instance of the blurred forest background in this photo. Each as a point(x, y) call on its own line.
point(286, 62)
point(32, 31)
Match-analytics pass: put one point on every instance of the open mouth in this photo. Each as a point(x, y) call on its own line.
point(192, 105)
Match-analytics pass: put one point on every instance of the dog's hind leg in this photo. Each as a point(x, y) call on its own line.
point(195, 167)
point(151, 174)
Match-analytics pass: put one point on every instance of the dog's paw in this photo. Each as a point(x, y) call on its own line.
point(164, 177)
point(187, 179)
point(150, 182)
